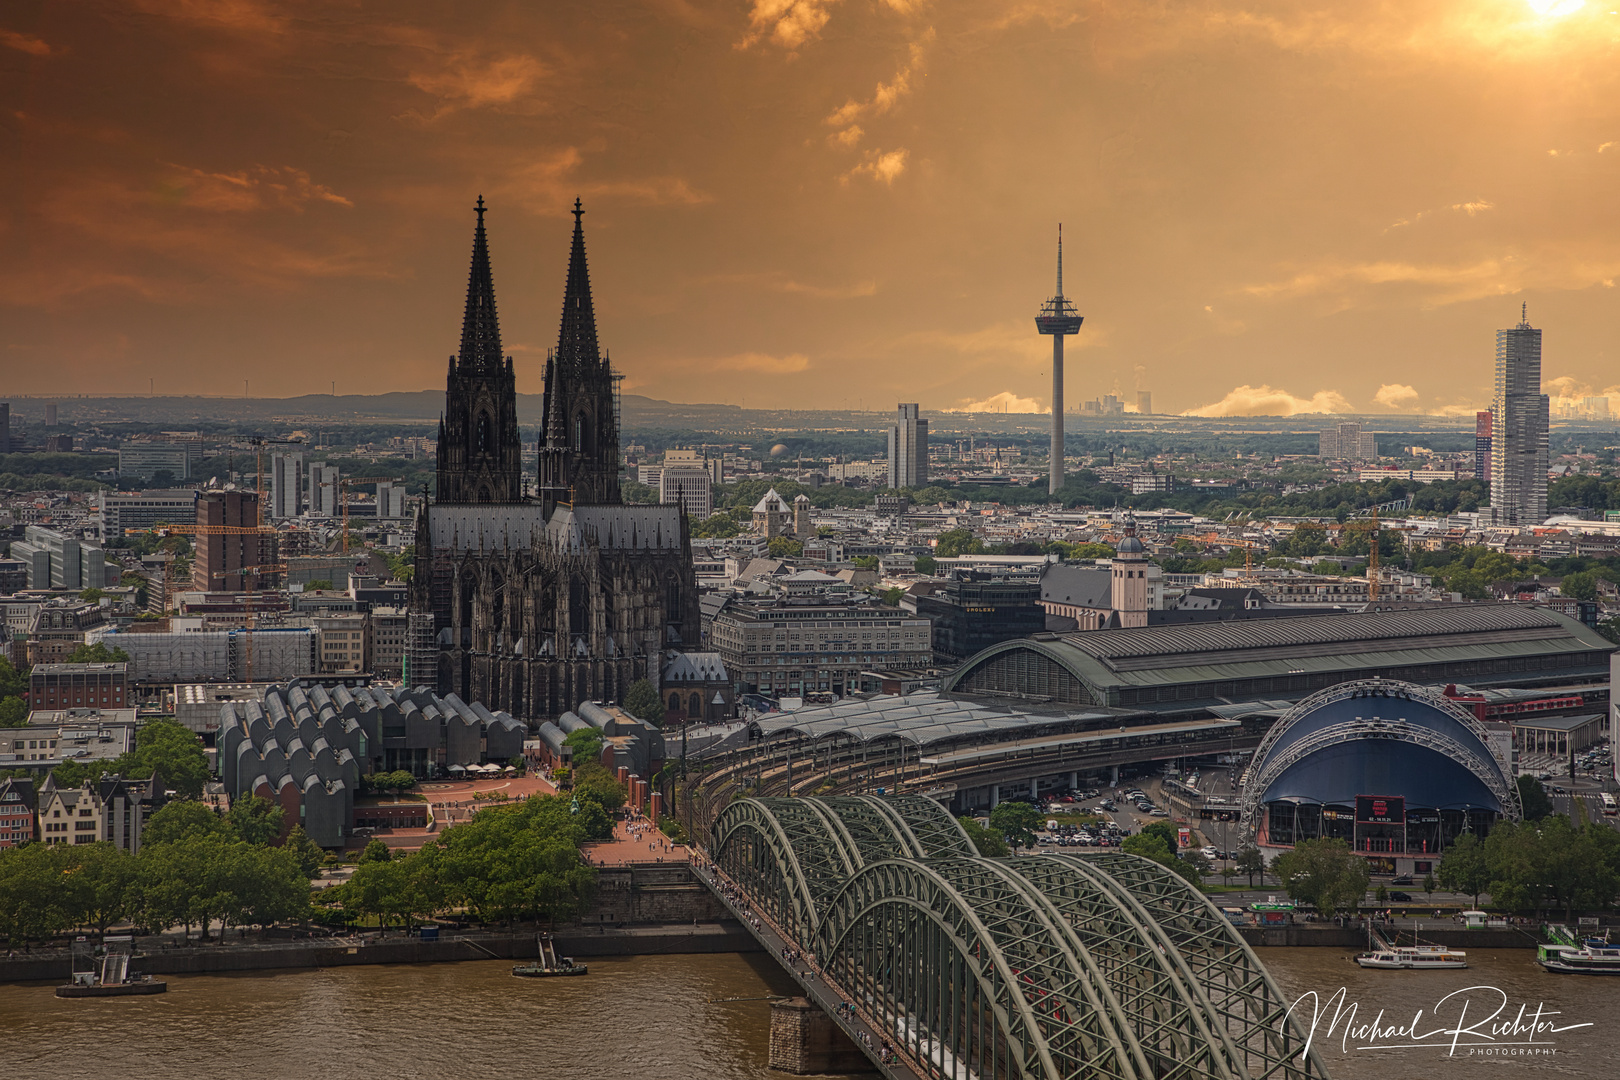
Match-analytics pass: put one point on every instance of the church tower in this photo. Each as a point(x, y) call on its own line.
point(480, 453)
point(1130, 584)
point(579, 445)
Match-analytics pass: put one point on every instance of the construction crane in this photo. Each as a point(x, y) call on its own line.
point(1376, 528)
point(248, 590)
point(1248, 547)
point(196, 530)
point(344, 493)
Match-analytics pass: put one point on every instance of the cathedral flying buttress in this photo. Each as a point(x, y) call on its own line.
point(538, 603)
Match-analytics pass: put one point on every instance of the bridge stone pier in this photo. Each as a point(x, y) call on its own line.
point(936, 962)
point(805, 1041)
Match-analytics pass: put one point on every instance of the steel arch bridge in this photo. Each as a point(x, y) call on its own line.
point(1105, 966)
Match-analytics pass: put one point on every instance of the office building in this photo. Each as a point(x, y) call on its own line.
point(1144, 402)
point(5, 427)
point(973, 610)
point(908, 449)
point(390, 501)
point(324, 495)
point(1519, 422)
point(78, 686)
point(286, 486)
point(58, 444)
point(146, 460)
point(116, 513)
point(687, 478)
point(228, 543)
point(50, 414)
point(59, 561)
point(1482, 446)
point(810, 644)
point(1347, 442)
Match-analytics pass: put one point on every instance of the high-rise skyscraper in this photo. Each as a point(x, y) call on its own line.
point(908, 449)
point(1058, 319)
point(1144, 402)
point(286, 486)
point(5, 427)
point(1519, 422)
point(1347, 442)
point(1482, 446)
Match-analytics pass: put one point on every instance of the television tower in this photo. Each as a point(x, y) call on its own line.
point(1058, 319)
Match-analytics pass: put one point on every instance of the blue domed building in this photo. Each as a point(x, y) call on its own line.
point(1396, 770)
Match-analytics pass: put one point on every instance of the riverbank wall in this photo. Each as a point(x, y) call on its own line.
point(639, 909)
point(578, 942)
point(1336, 938)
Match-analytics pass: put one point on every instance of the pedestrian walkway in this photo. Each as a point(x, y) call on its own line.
point(635, 840)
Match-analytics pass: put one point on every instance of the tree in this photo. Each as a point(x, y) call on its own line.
point(717, 526)
point(1581, 585)
point(643, 703)
point(13, 712)
point(175, 820)
point(1463, 868)
point(97, 653)
point(318, 585)
point(784, 547)
point(988, 842)
point(255, 820)
point(1017, 821)
point(866, 562)
point(376, 851)
point(1251, 861)
point(1150, 843)
point(92, 595)
point(1533, 797)
point(170, 750)
point(594, 784)
point(98, 885)
point(1323, 873)
point(924, 565)
point(587, 745)
point(953, 543)
point(1428, 885)
point(305, 852)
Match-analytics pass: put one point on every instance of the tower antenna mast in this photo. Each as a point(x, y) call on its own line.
point(1058, 319)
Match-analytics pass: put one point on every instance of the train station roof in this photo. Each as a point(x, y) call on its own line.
point(924, 718)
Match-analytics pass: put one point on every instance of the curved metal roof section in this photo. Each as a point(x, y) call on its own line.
point(1374, 701)
point(1151, 656)
point(1335, 775)
point(921, 718)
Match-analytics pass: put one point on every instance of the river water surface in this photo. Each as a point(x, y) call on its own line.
point(654, 1017)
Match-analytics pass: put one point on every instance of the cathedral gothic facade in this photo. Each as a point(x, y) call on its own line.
point(541, 600)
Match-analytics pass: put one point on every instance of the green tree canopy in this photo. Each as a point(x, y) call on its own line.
point(642, 702)
point(1323, 873)
point(953, 543)
point(587, 745)
point(924, 565)
point(97, 653)
point(1533, 797)
point(988, 842)
point(784, 547)
point(1017, 821)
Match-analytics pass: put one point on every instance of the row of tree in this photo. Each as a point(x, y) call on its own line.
point(195, 868)
point(510, 862)
point(1554, 864)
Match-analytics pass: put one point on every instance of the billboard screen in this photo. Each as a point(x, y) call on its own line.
point(1381, 809)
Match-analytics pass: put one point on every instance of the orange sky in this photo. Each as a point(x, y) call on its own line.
point(1267, 205)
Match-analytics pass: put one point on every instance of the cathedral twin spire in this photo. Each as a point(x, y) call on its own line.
point(479, 453)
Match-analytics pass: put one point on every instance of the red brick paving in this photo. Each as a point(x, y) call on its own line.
point(452, 802)
point(635, 841)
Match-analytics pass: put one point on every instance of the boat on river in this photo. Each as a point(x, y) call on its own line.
point(103, 970)
point(549, 963)
point(1568, 955)
point(1382, 953)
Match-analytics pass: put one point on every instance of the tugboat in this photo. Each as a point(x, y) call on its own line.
point(1382, 954)
point(104, 971)
point(550, 963)
point(1595, 956)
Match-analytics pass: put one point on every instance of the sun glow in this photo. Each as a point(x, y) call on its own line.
point(1555, 9)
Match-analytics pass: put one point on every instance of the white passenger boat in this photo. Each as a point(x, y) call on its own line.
point(1415, 956)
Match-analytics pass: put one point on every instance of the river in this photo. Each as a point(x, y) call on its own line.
point(647, 1018)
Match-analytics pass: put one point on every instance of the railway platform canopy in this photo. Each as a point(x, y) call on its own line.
point(1195, 669)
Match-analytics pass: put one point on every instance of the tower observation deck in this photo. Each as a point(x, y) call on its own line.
point(1058, 318)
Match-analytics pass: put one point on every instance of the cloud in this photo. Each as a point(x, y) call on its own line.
point(1395, 396)
point(788, 23)
point(469, 80)
point(880, 166)
point(27, 43)
point(1266, 401)
point(886, 94)
point(752, 361)
point(1004, 402)
point(1459, 281)
point(549, 185)
point(1478, 206)
point(847, 138)
point(259, 188)
point(1608, 146)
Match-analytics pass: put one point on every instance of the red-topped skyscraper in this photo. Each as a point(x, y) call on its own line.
point(1059, 319)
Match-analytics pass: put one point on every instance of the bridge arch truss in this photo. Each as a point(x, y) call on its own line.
point(1105, 966)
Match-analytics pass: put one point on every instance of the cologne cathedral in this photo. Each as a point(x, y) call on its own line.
point(539, 601)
